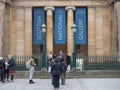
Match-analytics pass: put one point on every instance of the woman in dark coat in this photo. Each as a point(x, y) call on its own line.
point(68, 59)
point(2, 69)
point(12, 66)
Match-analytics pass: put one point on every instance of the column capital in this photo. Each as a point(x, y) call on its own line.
point(70, 7)
point(49, 8)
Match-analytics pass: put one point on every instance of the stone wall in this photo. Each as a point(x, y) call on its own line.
point(18, 30)
point(117, 16)
point(21, 31)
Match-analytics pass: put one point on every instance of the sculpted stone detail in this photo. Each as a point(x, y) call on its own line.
point(70, 7)
point(49, 8)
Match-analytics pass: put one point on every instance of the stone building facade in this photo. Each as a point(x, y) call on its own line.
point(16, 26)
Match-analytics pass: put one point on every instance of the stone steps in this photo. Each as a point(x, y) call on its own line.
point(73, 74)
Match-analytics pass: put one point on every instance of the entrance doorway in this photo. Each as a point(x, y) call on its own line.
point(58, 47)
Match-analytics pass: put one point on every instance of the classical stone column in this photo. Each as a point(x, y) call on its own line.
point(70, 21)
point(28, 31)
point(49, 32)
point(91, 31)
point(2, 17)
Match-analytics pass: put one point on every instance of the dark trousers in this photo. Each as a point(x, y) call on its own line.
point(12, 77)
point(6, 74)
point(63, 78)
point(56, 80)
point(2, 77)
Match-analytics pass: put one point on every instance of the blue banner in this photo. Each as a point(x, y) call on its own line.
point(60, 26)
point(39, 19)
point(80, 21)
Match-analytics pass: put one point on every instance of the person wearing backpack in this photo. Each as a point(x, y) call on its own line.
point(56, 71)
point(51, 64)
point(31, 70)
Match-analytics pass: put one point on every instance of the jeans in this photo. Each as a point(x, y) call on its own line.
point(31, 71)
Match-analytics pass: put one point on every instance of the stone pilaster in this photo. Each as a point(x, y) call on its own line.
point(99, 30)
point(28, 31)
point(112, 31)
point(49, 32)
point(91, 31)
point(106, 31)
point(7, 31)
point(117, 26)
point(20, 31)
point(2, 17)
point(13, 28)
point(70, 21)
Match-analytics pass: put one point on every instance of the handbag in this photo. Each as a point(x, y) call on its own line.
point(49, 69)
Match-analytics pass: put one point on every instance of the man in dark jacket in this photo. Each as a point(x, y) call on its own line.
point(56, 71)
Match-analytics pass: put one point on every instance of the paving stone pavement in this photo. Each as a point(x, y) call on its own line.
point(71, 84)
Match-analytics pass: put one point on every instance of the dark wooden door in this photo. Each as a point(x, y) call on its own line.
point(57, 48)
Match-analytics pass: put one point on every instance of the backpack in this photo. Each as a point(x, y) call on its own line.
point(56, 69)
point(28, 64)
point(64, 66)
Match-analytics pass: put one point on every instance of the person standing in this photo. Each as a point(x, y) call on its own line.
point(68, 61)
point(62, 56)
point(2, 69)
point(12, 66)
point(49, 59)
point(50, 56)
point(31, 70)
point(64, 69)
point(56, 71)
point(51, 64)
point(6, 74)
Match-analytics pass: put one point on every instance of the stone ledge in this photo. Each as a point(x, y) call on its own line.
point(73, 74)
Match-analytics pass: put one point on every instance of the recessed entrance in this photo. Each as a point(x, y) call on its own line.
point(57, 48)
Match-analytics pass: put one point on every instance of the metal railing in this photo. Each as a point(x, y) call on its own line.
point(21, 62)
point(98, 62)
point(93, 62)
